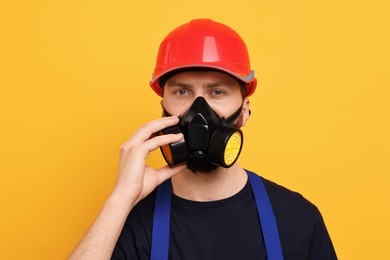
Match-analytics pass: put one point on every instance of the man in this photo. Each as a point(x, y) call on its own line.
point(207, 206)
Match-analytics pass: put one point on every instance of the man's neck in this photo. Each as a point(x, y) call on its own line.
point(216, 185)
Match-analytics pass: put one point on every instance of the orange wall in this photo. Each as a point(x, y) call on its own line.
point(74, 86)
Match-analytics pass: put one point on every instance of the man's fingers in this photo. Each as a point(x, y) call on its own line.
point(158, 141)
point(148, 129)
point(167, 172)
point(150, 145)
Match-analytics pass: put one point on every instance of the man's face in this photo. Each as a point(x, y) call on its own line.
point(221, 91)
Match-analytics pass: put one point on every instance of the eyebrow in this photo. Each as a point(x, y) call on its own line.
point(178, 84)
point(217, 84)
point(208, 85)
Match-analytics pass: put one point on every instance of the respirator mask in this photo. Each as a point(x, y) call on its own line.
point(209, 141)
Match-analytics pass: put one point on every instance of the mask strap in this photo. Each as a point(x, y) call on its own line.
point(235, 115)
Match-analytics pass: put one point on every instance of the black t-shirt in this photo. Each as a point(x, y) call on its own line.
point(229, 228)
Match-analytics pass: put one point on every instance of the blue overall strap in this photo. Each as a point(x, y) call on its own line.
point(161, 219)
point(267, 218)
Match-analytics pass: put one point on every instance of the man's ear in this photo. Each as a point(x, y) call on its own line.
point(246, 112)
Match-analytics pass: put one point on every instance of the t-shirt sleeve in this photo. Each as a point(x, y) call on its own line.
point(135, 239)
point(125, 248)
point(301, 227)
point(321, 247)
point(118, 253)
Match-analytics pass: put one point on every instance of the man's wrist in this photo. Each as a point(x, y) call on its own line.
point(121, 199)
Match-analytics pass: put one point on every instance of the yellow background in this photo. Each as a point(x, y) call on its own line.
point(74, 86)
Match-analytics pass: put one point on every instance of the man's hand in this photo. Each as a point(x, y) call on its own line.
point(135, 181)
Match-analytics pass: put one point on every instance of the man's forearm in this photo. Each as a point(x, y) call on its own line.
point(100, 240)
point(135, 181)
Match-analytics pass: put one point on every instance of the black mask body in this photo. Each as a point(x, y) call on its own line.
point(209, 141)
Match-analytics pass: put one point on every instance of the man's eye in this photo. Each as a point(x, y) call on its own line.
point(218, 92)
point(181, 92)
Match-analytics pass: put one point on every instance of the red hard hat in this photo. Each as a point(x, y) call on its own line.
point(204, 43)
